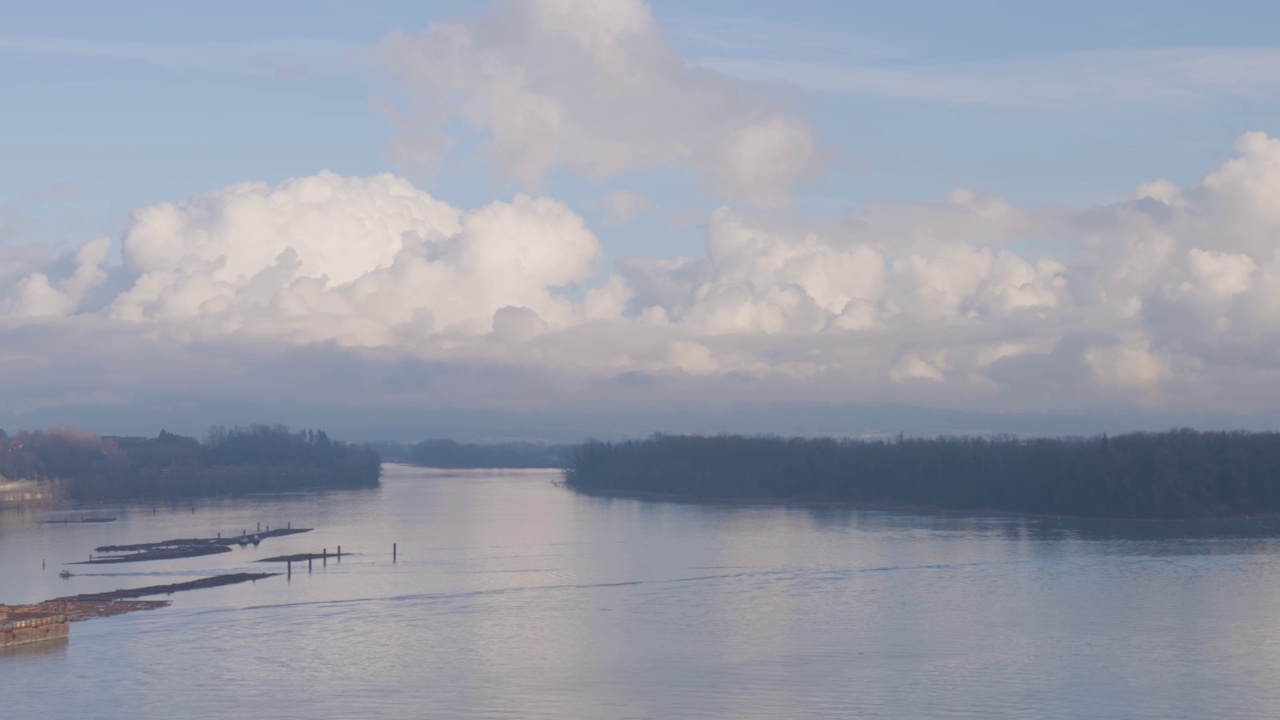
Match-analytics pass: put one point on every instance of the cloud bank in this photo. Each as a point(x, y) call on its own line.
point(1171, 299)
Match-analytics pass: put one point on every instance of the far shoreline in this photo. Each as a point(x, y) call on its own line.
point(903, 509)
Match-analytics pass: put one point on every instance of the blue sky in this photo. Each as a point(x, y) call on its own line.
point(139, 102)
point(983, 138)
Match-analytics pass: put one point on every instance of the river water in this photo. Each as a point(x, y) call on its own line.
point(514, 598)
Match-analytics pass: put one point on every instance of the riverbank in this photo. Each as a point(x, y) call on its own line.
point(904, 509)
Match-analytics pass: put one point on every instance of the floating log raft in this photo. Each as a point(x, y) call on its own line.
point(181, 548)
point(300, 557)
point(227, 541)
point(201, 584)
point(23, 624)
point(164, 553)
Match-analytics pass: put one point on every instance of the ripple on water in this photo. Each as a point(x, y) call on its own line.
point(514, 598)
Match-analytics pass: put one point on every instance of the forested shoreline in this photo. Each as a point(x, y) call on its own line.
point(85, 467)
point(1180, 474)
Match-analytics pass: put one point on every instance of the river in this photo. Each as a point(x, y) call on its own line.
point(512, 597)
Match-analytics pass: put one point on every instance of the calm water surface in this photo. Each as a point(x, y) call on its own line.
point(514, 598)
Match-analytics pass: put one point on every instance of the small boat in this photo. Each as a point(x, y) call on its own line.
point(64, 574)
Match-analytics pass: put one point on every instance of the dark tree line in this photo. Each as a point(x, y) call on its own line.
point(1177, 474)
point(235, 461)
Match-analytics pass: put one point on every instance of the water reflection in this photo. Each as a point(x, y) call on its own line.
point(54, 647)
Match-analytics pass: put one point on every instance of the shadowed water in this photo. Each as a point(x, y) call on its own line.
point(514, 598)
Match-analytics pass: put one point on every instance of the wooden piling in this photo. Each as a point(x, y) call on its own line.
point(393, 552)
point(339, 553)
point(308, 563)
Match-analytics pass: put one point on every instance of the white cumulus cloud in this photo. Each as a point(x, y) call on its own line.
point(1172, 297)
point(363, 261)
point(594, 86)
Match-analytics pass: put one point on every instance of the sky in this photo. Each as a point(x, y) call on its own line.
point(551, 219)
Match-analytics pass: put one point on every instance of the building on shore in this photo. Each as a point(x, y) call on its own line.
point(21, 493)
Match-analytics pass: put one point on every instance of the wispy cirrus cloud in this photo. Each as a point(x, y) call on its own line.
point(17, 216)
point(756, 37)
point(1090, 79)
